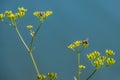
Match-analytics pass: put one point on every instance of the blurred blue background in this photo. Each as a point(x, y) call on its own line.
point(96, 20)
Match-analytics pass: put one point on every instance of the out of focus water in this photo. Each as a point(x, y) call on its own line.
point(96, 20)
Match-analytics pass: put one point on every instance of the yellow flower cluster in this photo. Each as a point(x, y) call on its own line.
point(78, 43)
point(29, 26)
point(1, 16)
point(52, 76)
point(13, 16)
point(109, 52)
point(99, 61)
point(93, 55)
point(82, 67)
point(42, 15)
point(41, 77)
point(110, 61)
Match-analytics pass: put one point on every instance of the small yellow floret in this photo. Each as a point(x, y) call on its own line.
point(1, 16)
point(22, 10)
point(110, 61)
point(7, 13)
point(78, 43)
point(42, 15)
point(109, 52)
point(93, 55)
point(48, 13)
point(41, 77)
point(98, 63)
point(12, 16)
point(29, 26)
point(52, 76)
point(71, 46)
point(82, 67)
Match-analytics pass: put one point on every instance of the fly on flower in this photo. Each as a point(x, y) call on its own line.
point(85, 43)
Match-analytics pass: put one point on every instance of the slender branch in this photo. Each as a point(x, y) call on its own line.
point(78, 66)
point(91, 74)
point(33, 37)
point(79, 71)
point(31, 45)
point(34, 63)
point(22, 40)
point(29, 51)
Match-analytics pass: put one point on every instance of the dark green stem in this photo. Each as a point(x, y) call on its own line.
point(33, 37)
point(91, 74)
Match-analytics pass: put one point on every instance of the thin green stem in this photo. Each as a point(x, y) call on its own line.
point(22, 40)
point(91, 74)
point(78, 66)
point(33, 37)
point(29, 50)
point(34, 63)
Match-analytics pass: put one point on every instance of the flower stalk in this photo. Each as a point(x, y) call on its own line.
point(91, 74)
point(28, 49)
point(79, 70)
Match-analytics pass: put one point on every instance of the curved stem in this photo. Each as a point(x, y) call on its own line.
point(91, 74)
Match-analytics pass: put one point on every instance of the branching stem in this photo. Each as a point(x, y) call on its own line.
point(33, 37)
point(22, 40)
point(29, 49)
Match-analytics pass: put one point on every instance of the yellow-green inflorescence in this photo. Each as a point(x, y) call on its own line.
point(52, 76)
point(29, 27)
point(82, 67)
point(42, 77)
point(42, 15)
point(21, 12)
point(48, 76)
point(2, 16)
point(13, 16)
point(78, 43)
point(99, 61)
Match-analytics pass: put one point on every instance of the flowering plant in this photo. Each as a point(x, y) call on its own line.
point(97, 60)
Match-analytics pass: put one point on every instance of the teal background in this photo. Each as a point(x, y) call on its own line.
point(96, 20)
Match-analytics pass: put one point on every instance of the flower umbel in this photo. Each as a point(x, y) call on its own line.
point(109, 52)
point(22, 10)
point(42, 77)
point(93, 55)
point(52, 76)
point(78, 43)
point(42, 15)
point(98, 61)
point(110, 61)
point(10, 15)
